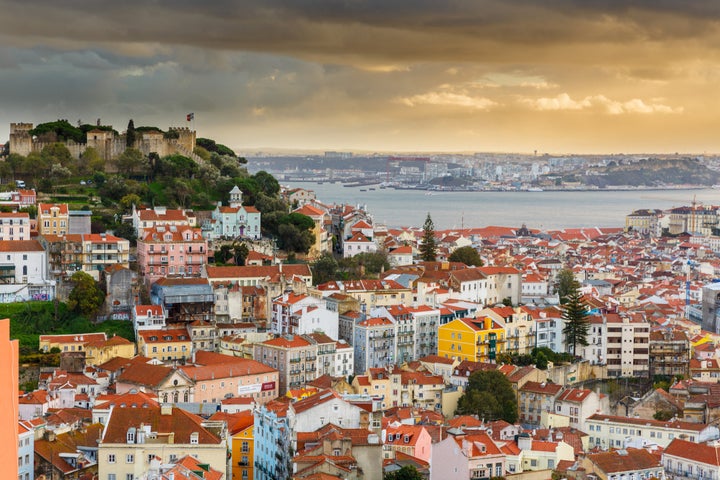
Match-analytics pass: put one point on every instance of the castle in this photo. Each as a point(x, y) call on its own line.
point(107, 144)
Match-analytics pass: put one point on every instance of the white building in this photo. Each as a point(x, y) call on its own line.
point(344, 359)
point(358, 244)
point(24, 272)
point(579, 405)
point(311, 413)
point(301, 314)
point(684, 459)
point(148, 317)
point(609, 431)
point(549, 326)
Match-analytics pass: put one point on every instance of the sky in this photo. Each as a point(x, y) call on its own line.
point(552, 76)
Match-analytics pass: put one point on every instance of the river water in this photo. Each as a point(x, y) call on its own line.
point(543, 210)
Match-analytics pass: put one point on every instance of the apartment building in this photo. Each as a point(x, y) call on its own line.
point(473, 339)
point(609, 431)
point(374, 342)
point(580, 404)
point(519, 324)
point(24, 272)
point(90, 253)
point(683, 459)
point(628, 346)
point(669, 353)
point(14, 226)
point(171, 251)
point(134, 437)
point(53, 219)
point(166, 345)
point(534, 398)
point(293, 356)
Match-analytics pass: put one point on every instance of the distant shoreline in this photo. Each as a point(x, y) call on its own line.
point(507, 190)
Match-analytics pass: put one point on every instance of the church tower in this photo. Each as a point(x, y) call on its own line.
point(235, 197)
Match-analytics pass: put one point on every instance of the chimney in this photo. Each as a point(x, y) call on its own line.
point(524, 442)
point(166, 410)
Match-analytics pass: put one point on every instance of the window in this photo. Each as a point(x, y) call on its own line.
point(129, 476)
point(111, 458)
point(130, 458)
point(245, 447)
point(111, 476)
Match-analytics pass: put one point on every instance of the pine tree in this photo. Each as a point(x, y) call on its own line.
point(575, 313)
point(428, 248)
point(130, 135)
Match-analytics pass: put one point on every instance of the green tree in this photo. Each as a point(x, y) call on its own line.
point(223, 254)
point(267, 183)
point(575, 313)
point(325, 268)
point(90, 162)
point(541, 361)
point(373, 263)
point(566, 283)
point(86, 296)
point(58, 153)
point(407, 472)
point(131, 161)
point(240, 253)
point(293, 239)
point(15, 161)
point(126, 231)
point(127, 201)
point(130, 134)
point(489, 395)
point(428, 247)
point(467, 255)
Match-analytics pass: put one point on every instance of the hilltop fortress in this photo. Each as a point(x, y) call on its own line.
point(107, 143)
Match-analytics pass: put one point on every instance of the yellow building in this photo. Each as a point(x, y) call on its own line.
point(473, 339)
point(240, 430)
point(101, 351)
point(72, 342)
point(165, 345)
point(53, 218)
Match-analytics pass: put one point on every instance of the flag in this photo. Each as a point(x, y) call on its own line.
point(190, 116)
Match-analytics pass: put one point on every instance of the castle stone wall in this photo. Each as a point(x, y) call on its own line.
point(107, 144)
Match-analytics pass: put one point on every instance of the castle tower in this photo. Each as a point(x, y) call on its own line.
point(20, 139)
point(101, 141)
point(186, 137)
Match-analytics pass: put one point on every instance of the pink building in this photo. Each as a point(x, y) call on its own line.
point(239, 378)
point(171, 251)
point(14, 226)
point(411, 440)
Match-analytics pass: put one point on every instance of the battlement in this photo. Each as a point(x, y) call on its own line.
point(106, 143)
point(20, 127)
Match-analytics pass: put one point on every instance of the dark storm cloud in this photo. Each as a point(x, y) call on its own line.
point(400, 30)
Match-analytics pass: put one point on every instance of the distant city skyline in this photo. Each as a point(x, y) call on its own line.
point(559, 77)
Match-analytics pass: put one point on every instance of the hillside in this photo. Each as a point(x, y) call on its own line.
point(653, 173)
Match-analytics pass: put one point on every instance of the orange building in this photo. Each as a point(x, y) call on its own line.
point(9, 413)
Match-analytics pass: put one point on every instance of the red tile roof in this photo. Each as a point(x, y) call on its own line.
point(696, 452)
point(176, 421)
point(630, 460)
